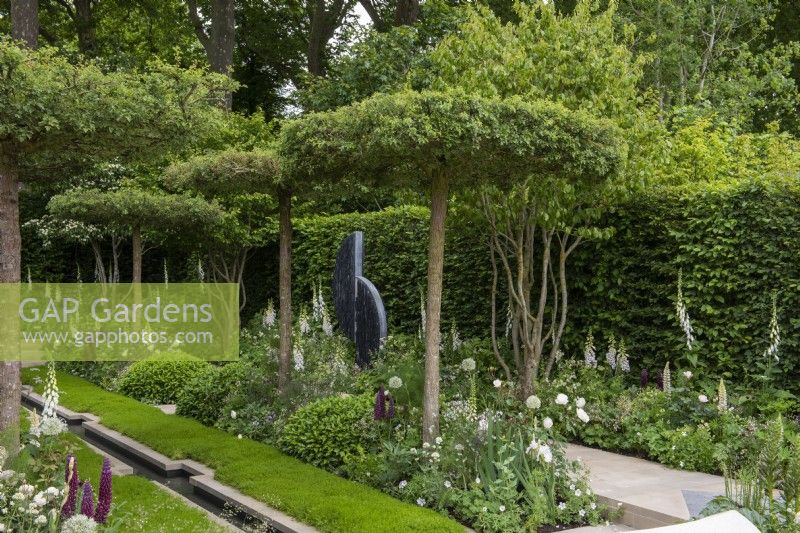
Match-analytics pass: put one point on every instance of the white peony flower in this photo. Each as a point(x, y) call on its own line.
point(395, 382)
point(562, 399)
point(497, 383)
point(533, 402)
point(547, 423)
point(582, 415)
point(580, 402)
point(703, 398)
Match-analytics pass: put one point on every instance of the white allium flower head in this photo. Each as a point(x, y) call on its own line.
point(547, 423)
point(562, 399)
point(395, 382)
point(533, 402)
point(79, 524)
point(468, 364)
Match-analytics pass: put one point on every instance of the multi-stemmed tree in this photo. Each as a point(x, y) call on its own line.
point(443, 141)
point(56, 116)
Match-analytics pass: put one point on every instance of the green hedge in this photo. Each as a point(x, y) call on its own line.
point(736, 243)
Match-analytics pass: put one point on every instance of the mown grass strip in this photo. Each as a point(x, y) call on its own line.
point(316, 497)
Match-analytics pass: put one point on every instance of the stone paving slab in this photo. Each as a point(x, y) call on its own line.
point(649, 494)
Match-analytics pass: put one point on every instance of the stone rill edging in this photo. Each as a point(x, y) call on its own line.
point(200, 476)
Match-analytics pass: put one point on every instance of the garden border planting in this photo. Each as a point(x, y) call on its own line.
point(263, 475)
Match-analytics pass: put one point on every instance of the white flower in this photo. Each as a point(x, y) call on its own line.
point(395, 382)
point(421, 502)
point(797, 518)
point(688, 374)
point(533, 402)
point(547, 423)
point(468, 364)
point(703, 398)
point(582, 415)
point(40, 520)
point(562, 506)
point(435, 456)
point(497, 383)
point(2, 527)
point(40, 500)
point(233, 414)
point(478, 480)
point(582, 513)
point(239, 436)
point(447, 484)
point(593, 506)
point(402, 484)
point(268, 320)
point(299, 362)
point(78, 524)
point(502, 508)
point(578, 493)
point(562, 399)
point(483, 424)
point(439, 441)
point(580, 403)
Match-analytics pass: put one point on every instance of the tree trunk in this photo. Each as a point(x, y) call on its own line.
point(285, 288)
point(406, 12)
point(136, 254)
point(219, 41)
point(10, 272)
point(430, 407)
point(85, 27)
point(316, 39)
point(25, 21)
point(99, 267)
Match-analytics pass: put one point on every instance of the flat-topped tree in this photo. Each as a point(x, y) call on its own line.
point(56, 115)
point(137, 212)
point(445, 141)
point(235, 172)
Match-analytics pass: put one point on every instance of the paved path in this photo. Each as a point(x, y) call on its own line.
point(649, 494)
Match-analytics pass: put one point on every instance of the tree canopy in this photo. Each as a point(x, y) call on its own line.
point(407, 136)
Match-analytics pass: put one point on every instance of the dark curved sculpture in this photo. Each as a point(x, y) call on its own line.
point(359, 306)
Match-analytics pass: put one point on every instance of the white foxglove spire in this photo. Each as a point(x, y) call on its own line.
point(683, 314)
point(774, 332)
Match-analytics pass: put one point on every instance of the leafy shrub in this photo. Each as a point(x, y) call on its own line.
point(159, 381)
point(325, 433)
point(203, 397)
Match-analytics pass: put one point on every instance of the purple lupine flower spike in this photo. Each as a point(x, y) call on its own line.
point(379, 413)
point(104, 496)
point(72, 491)
point(658, 377)
point(87, 503)
point(390, 413)
point(644, 378)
